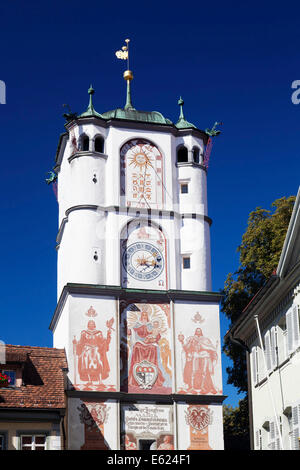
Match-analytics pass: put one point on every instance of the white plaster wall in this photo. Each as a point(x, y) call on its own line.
point(195, 243)
point(84, 233)
point(195, 201)
point(61, 334)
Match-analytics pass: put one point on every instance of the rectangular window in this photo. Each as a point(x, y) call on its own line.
point(184, 188)
point(33, 442)
point(186, 262)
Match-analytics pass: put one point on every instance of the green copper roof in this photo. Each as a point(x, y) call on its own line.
point(182, 123)
point(134, 115)
point(90, 109)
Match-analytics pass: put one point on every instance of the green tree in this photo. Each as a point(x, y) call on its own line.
point(259, 255)
point(236, 426)
point(259, 252)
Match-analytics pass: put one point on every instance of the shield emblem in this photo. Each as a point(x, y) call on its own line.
point(145, 373)
point(198, 417)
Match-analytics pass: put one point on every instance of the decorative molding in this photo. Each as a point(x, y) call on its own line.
point(136, 295)
point(87, 153)
point(123, 397)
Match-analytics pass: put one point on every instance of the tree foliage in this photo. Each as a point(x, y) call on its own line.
point(234, 420)
point(259, 252)
point(236, 426)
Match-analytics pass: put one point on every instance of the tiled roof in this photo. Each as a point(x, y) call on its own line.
point(43, 378)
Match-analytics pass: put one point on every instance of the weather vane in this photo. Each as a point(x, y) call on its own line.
point(128, 75)
point(124, 52)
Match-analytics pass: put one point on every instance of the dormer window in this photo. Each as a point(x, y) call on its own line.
point(11, 374)
point(99, 144)
point(182, 154)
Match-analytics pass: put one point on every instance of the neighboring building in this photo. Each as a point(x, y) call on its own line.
point(274, 371)
point(32, 407)
point(135, 310)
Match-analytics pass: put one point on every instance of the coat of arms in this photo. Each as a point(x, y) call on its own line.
point(198, 417)
point(145, 373)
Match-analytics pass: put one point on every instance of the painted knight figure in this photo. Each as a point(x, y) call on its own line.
point(135, 309)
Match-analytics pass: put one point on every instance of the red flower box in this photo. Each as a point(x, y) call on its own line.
point(4, 380)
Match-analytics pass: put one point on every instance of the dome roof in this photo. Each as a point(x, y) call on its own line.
point(153, 117)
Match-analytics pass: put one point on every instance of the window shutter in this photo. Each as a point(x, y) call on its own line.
point(254, 365)
point(268, 351)
point(290, 335)
point(295, 426)
point(277, 438)
point(274, 437)
point(274, 355)
point(295, 325)
point(272, 443)
point(258, 439)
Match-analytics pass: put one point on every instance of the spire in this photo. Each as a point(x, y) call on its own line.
point(182, 123)
point(128, 75)
point(91, 91)
point(90, 109)
point(181, 103)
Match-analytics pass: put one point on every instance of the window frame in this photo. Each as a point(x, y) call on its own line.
point(33, 434)
point(186, 257)
point(184, 185)
point(98, 138)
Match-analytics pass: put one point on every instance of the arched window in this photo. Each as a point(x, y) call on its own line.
point(85, 143)
point(182, 154)
point(99, 144)
point(196, 154)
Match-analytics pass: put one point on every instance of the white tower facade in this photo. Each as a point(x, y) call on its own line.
point(135, 310)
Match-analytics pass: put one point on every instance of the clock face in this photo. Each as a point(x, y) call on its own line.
point(143, 261)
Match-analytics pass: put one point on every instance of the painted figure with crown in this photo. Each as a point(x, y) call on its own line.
point(91, 351)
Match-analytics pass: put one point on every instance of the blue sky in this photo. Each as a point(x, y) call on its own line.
point(231, 62)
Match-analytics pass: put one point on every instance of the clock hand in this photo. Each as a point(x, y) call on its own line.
point(143, 196)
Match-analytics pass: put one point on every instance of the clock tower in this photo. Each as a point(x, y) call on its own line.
point(135, 311)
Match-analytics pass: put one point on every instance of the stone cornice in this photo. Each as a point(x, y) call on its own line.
point(128, 211)
point(140, 397)
point(87, 153)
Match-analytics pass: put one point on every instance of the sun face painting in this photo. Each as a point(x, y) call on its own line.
point(142, 176)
